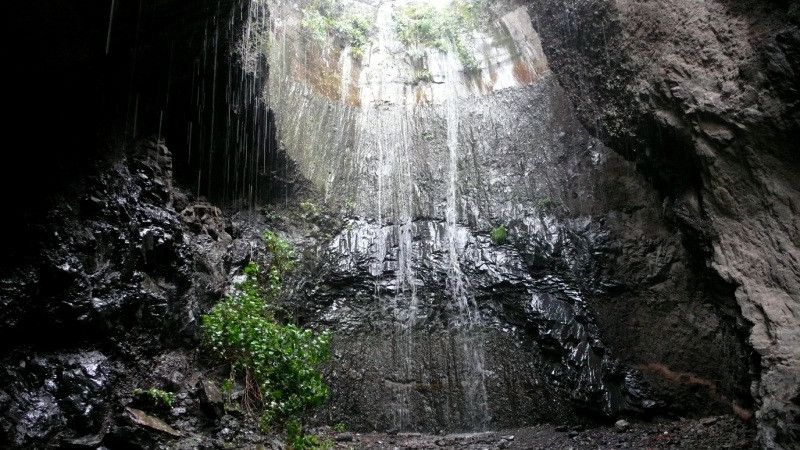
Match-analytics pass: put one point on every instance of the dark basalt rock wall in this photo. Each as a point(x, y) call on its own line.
point(110, 266)
point(93, 78)
point(597, 287)
point(703, 98)
point(594, 307)
point(124, 267)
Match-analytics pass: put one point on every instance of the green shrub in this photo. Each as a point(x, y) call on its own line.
point(468, 61)
point(282, 262)
point(158, 396)
point(297, 439)
point(423, 76)
point(310, 207)
point(499, 234)
point(316, 24)
point(420, 25)
point(323, 18)
point(275, 361)
point(355, 29)
point(226, 387)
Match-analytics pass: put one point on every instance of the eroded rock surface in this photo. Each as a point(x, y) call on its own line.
point(703, 98)
point(117, 276)
point(597, 285)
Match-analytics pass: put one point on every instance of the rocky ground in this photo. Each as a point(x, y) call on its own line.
point(717, 432)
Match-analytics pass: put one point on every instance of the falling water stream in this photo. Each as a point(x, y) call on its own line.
point(361, 140)
point(391, 138)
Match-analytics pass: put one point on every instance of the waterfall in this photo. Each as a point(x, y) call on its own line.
point(467, 323)
point(392, 137)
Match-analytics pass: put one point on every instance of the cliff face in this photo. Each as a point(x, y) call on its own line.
point(702, 97)
point(646, 257)
point(121, 270)
point(419, 172)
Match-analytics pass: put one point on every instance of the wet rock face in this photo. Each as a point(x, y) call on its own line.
point(606, 297)
point(48, 393)
point(102, 266)
point(108, 260)
point(117, 274)
point(590, 307)
point(599, 302)
point(525, 346)
point(407, 355)
point(704, 100)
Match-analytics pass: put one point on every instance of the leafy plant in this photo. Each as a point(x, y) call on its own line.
point(226, 387)
point(282, 261)
point(310, 207)
point(340, 427)
point(317, 24)
point(158, 396)
point(468, 61)
point(420, 25)
point(499, 234)
point(275, 361)
point(297, 439)
point(423, 75)
point(323, 18)
point(355, 29)
point(357, 52)
point(270, 214)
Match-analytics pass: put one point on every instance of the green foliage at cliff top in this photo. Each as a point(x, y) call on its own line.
point(420, 25)
point(326, 18)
